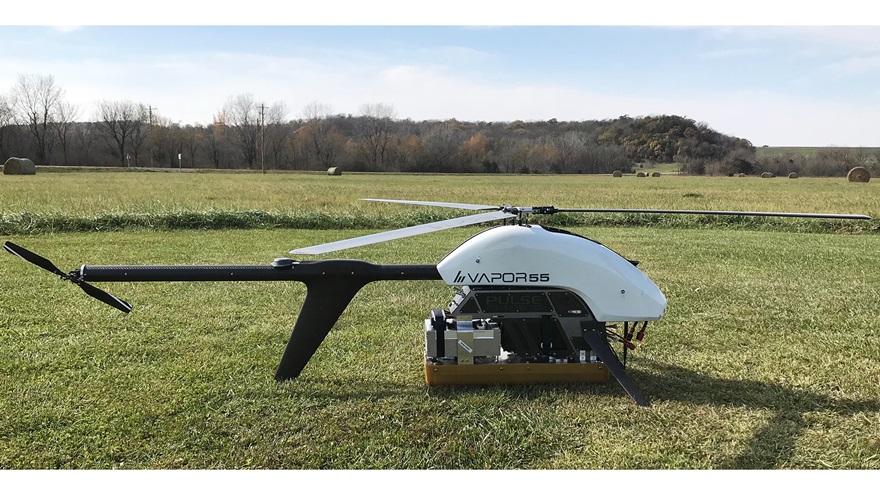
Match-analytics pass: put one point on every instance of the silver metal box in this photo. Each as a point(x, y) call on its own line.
point(462, 341)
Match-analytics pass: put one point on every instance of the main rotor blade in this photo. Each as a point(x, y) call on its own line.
point(463, 206)
point(32, 257)
point(104, 297)
point(404, 232)
point(718, 212)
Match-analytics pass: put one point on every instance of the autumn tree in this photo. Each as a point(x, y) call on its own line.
point(215, 142)
point(409, 151)
point(474, 153)
point(543, 155)
point(35, 101)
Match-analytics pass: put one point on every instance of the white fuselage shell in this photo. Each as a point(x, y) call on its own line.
point(531, 256)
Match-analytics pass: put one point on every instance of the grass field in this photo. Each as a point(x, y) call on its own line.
point(811, 150)
point(79, 202)
point(768, 356)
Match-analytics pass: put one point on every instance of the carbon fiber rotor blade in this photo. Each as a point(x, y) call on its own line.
point(104, 297)
point(404, 232)
point(32, 258)
point(463, 206)
point(717, 212)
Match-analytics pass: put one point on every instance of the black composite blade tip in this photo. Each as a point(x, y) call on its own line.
point(32, 258)
point(105, 297)
point(11, 248)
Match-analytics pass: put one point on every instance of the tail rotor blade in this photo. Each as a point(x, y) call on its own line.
point(73, 276)
point(32, 258)
point(104, 297)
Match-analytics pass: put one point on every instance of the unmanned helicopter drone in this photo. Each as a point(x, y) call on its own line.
point(531, 304)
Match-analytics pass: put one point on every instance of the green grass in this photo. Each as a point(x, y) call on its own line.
point(73, 202)
point(663, 168)
point(768, 356)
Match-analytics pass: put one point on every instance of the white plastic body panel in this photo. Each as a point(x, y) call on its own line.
point(516, 255)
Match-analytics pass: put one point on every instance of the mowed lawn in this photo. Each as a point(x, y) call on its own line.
point(83, 194)
point(768, 355)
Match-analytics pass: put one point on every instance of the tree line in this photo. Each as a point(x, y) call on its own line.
point(36, 122)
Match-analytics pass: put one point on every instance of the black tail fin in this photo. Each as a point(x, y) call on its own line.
point(325, 301)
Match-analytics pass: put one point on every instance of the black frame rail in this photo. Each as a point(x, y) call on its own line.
point(330, 287)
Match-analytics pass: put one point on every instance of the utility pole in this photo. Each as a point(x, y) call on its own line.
point(262, 136)
point(151, 108)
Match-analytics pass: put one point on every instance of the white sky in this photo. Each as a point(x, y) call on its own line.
point(768, 80)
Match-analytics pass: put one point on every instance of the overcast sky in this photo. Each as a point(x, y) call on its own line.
point(780, 85)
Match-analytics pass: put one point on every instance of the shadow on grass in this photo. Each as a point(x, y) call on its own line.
point(772, 444)
point(770, 447)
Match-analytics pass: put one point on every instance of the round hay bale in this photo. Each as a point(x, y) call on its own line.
point(641, 174)
point(334, 171)
point(793, 175)
point(767, 175)
point(858, 174)
point(740, 174)
point(617, 173)
point(19, 166)
point(655, 174)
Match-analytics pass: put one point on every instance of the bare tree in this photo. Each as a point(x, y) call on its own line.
point(514, 154)
point(375, 130)
point(65, 115)
point(191, 141)
point(215, 141)
point(301, 154)
point(35, 101)
point(140, 131)
point(326, 142)
point(5, 112)
point(569, 146)
point(276, 132)
point(243, 120)
point(84, 135)
point(118, 119)
point(6, 118)
point(166, 139)
point(442, 141)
